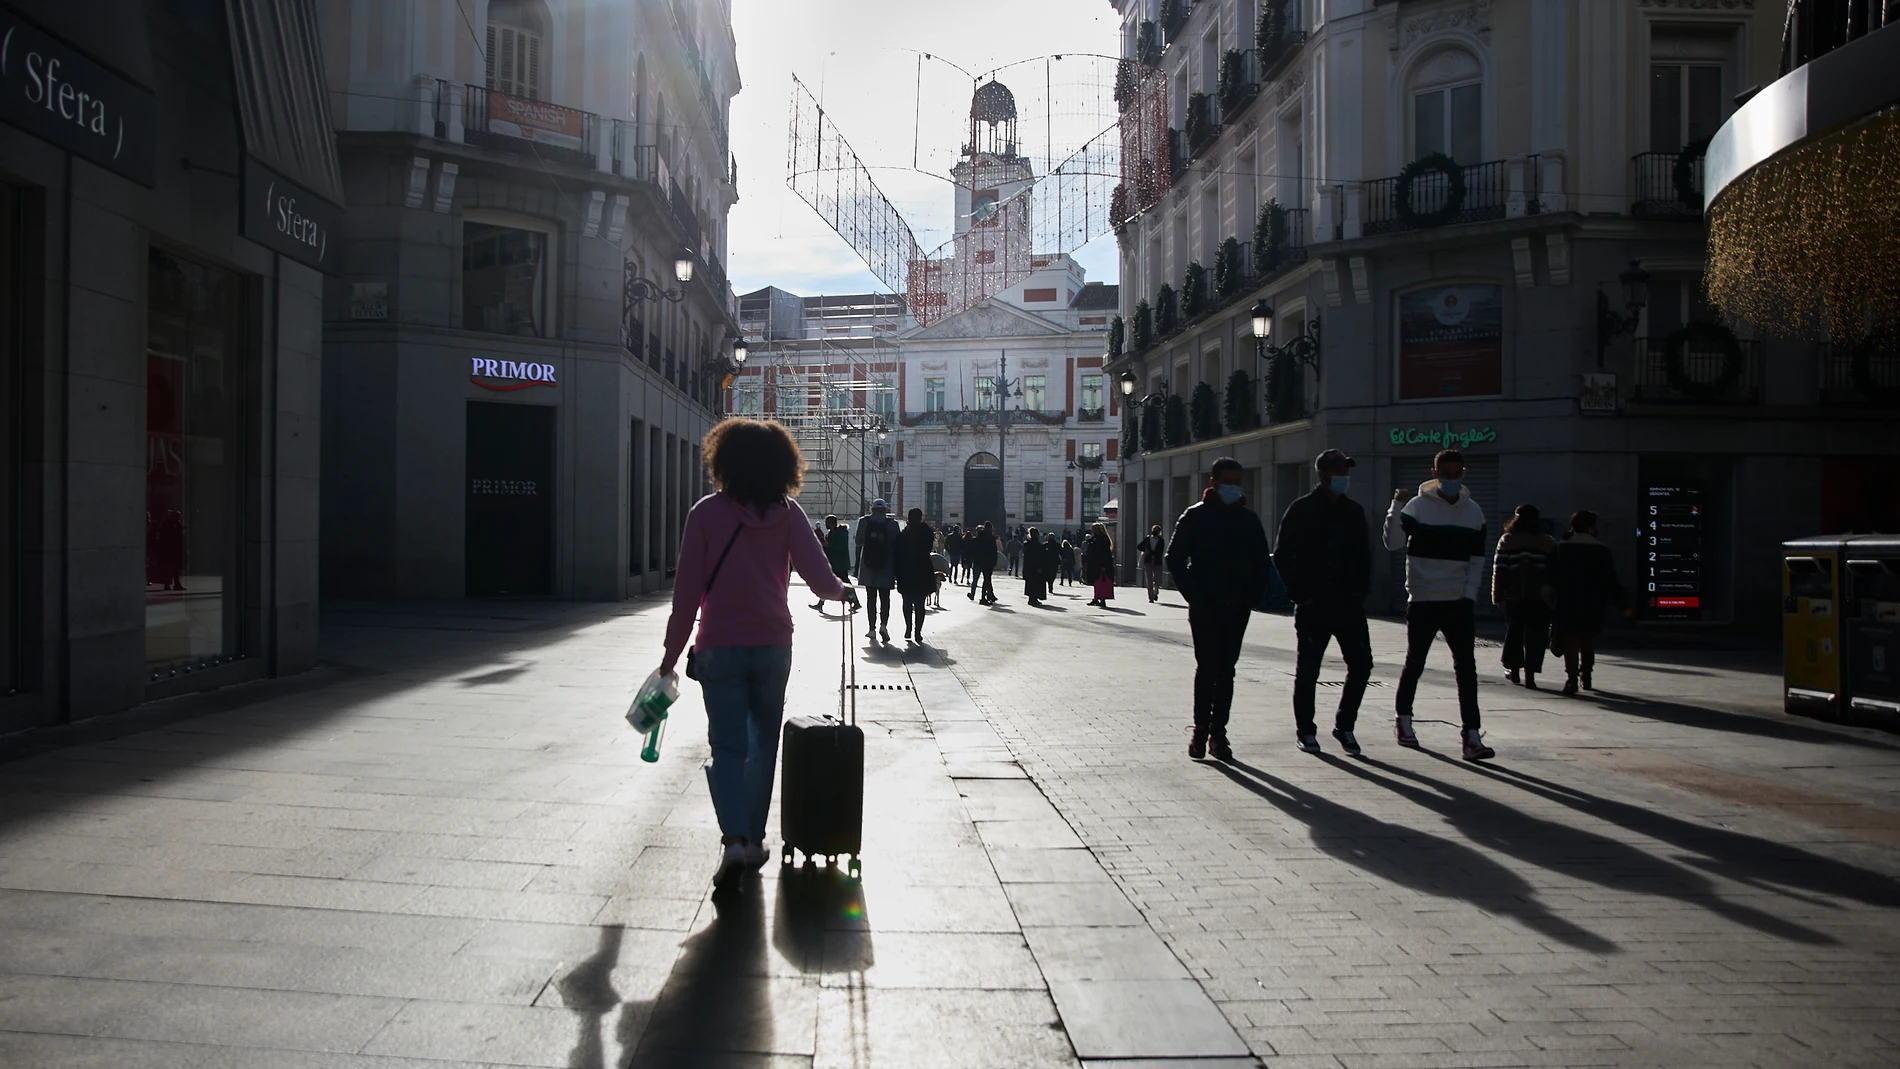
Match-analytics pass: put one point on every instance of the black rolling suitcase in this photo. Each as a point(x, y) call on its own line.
point(821, 777)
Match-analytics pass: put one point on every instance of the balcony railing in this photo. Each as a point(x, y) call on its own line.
point(1241, 85)
point(684, 215)
point(1174, 17)
point(1850, 376)
point(530, 127)
point(1658, 194)
point(1702, 375)
point(1279, 52)
point(1487, 190)
point(1091, 415)
point(981, 417)
point(1089, 462)
point(1814, 28)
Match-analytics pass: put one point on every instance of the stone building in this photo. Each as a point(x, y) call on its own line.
point(169, 205)
point(1485, 219)
point(529, 319)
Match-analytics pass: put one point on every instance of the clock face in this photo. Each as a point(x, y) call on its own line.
point(983, 207)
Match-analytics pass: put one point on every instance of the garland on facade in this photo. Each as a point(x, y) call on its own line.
point(1204, 412)
point(1142, 331)
point(1164, 311)
point(1271, 32)
point(1699, 335)
point(1115, 337)
point(1170, 12)
point(1118, 213)
point(1148, 44)
point(1233, 84)
point(1434, 163)
point(1239, 403)
point(1683, 174)
point(1269, 238)
point(1125, 83)
point(1151, 426)
point(1174, 421)
point(1227, 276)
point(1200, 125)
point(1193, 290)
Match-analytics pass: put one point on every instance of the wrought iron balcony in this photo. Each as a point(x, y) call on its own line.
point(530, 127)
point(1174, 17)
point(981, 417)
point(1177, 154)
point(1203, 122)
point(1703, 375)
point(1239, 84)
point(1856, 375)
point(1486, 193)
point(1667, 186)
point(1090, 462)
point(1091, 415)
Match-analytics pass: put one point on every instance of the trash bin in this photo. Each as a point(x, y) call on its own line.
point(1871, 620)
point(1811, 626)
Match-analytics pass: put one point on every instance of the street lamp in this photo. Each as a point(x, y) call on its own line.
point(642, 290)
point(739, 352)
point(1610, 326)
point(1303, 348)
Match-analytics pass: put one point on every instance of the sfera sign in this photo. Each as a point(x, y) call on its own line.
point(285, 217)
point(514, 374)
point(52, 91)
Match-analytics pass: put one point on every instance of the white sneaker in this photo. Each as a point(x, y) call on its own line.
point(1309, 744)
point(756, 855)
point(731, 866)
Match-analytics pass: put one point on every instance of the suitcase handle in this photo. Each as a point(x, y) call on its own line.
point(848, 663)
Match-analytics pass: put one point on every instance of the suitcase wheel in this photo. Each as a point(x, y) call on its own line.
point(856, 869)
point(786, 861)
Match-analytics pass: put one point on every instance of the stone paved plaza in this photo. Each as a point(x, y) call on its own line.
point(442, 849)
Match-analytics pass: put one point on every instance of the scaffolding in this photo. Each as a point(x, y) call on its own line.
point(1103, 148)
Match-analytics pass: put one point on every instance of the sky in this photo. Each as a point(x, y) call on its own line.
point(861, 57)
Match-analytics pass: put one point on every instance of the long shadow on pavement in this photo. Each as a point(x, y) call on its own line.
point(1697, 716)
point(588, 990)
point(1572, 852)
point(1746, 859)
point(1415, 859)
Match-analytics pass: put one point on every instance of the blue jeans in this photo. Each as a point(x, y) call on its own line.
point(744, 691)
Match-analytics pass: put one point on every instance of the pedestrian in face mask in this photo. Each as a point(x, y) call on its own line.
point(1324, 554)
point(1219, 563)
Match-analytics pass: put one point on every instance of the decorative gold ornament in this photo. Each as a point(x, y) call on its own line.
point(1808, 243)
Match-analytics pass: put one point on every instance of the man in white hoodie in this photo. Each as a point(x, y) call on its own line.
point(1442, 533)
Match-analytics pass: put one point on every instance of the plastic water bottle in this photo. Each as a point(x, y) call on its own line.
point(651, 751)
point(650, 705)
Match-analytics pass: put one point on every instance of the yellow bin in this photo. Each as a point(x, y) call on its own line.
point(1811, 626)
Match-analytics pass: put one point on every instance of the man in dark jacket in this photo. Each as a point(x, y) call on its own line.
point(980, 551)
point(1219, 561)
point(1325, 558)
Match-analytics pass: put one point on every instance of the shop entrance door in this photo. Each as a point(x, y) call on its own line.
point(983, 491)
point(509, 534)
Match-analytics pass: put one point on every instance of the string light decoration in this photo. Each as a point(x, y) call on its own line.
point(1808, 243)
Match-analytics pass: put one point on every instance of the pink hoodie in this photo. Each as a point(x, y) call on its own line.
point(748, 604)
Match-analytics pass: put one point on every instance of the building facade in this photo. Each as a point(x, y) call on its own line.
point(1485, 219)
point(168, 206)
point(530, 319)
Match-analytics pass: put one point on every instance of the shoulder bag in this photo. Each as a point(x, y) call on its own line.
point(692, 670)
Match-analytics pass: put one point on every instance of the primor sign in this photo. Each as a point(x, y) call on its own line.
point(52, 91)
point(513, 374)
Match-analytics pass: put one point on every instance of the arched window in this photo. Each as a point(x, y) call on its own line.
point(1448, 107)
point(515, 32)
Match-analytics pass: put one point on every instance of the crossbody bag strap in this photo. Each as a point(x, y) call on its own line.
point(722, 558)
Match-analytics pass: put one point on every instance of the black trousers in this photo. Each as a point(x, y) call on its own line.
point(914, 611)
point(1528, 635)
point(982, 575)
point(1425, 621)
point(876, 599)
point(1316, 624)
point(1218, 631)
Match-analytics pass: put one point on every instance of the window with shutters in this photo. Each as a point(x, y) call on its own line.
point(514, 50)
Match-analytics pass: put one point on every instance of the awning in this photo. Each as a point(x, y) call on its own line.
point(293, 188)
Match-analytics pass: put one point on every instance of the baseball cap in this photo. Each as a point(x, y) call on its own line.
point(1332, 460)
point(879, 504)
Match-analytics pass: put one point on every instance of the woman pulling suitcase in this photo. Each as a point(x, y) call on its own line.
point(736, 554)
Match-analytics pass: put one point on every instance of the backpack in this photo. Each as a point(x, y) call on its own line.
point(877, 544)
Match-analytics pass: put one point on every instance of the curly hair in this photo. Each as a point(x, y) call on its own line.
point(754, 461)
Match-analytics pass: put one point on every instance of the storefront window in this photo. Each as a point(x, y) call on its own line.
point(193, 451)
point(1032, 502)
point(1091, 501)
point(504, 280)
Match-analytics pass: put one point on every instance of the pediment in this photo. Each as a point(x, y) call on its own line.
point(991, 319)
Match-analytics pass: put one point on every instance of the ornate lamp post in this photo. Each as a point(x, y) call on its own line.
point(1610, 325)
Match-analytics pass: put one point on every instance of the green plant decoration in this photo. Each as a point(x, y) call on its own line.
point(1115, 337)
point(1285, 391)
point(1148, 44)
point(1227, 273)
point(1194, 290)
point(1239, 403)
point(1174, 421)
point(1151, 426)
point(1164, 311)
point(1204, 411)
point(1142, 333)
point(1402, 200)
point(1269, 238)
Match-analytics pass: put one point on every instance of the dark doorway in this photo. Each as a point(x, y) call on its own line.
point(510, 505)
point(983, 491)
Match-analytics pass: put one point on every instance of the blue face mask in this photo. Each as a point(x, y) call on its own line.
point(1229, 494)
point(1450, 487)
point(1339, 484)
